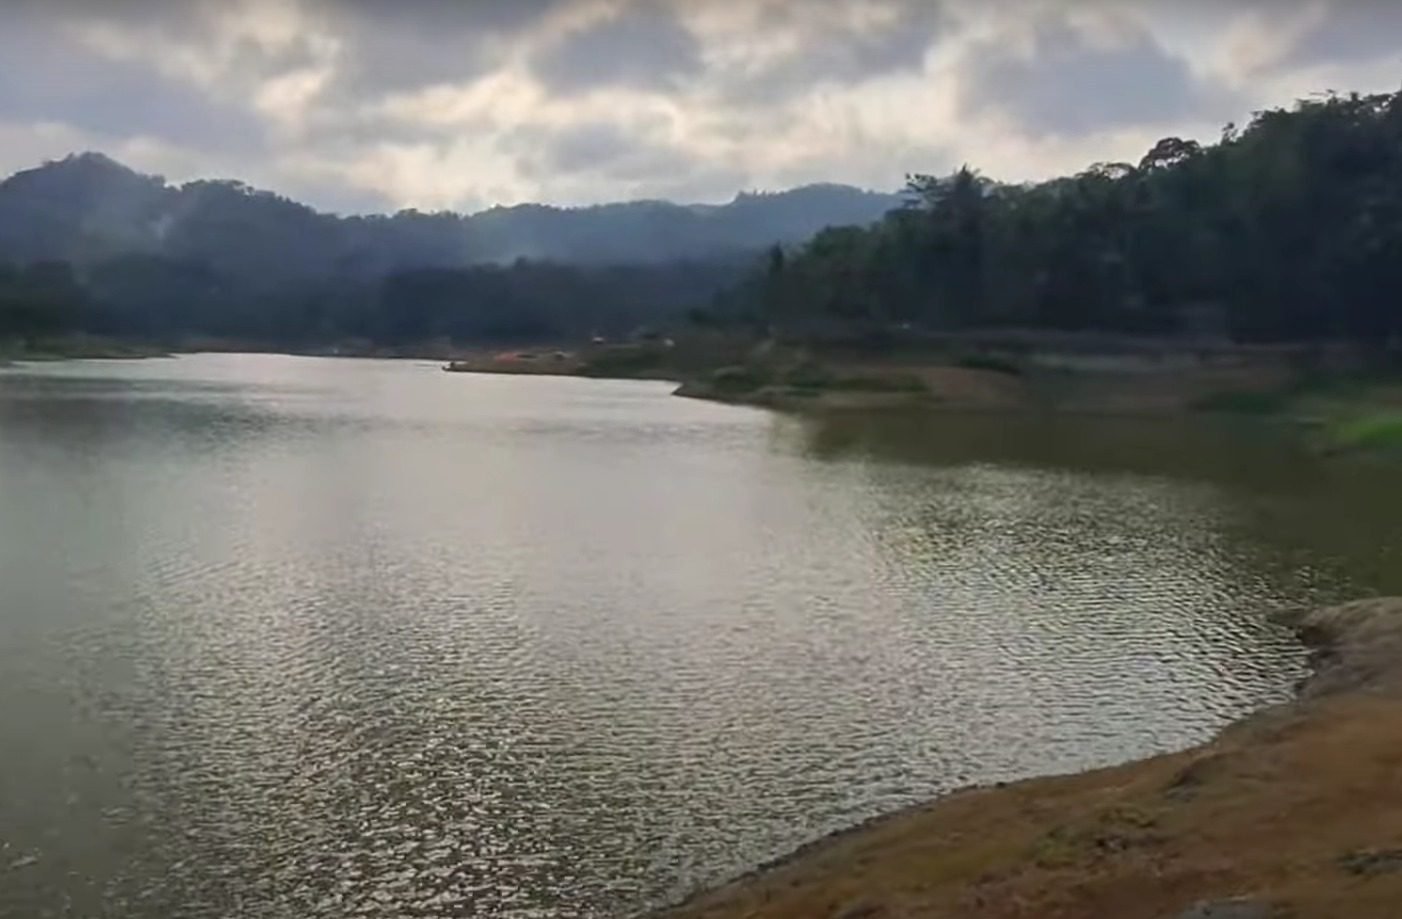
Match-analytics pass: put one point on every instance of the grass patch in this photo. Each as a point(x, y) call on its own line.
point(1371, 432)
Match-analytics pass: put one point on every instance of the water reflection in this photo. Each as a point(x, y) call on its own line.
point(293, 637)
point(1322, 519)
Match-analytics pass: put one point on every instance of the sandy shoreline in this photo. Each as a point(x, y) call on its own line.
point(1293, 812)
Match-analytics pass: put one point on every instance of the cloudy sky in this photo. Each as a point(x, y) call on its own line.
point(367, 105)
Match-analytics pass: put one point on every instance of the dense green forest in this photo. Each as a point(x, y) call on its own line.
point(96, 247)
point(157, 299)
point(1287, 229)
point(42, 298)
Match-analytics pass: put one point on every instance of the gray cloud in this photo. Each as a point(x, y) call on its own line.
point(60, 81)
point(602, 151)
point(403, 46)
point(330, 106)
point(1071, 84)
point(588, 146)
point(1352, 31)
point(598, 148)
point(644, 46)
point(831, 52)
point(184, 19)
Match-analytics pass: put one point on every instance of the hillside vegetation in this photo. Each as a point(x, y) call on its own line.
point(89, 245)
point(1289, 229)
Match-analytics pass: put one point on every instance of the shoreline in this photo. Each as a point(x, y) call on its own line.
point(1294, 811)
point(89, 350)
point(1339, 411)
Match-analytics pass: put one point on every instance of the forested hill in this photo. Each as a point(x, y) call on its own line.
point(1287, 229)
point(88, 208)
point(87, 245)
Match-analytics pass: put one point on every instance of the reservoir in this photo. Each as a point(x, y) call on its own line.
point(309, 637)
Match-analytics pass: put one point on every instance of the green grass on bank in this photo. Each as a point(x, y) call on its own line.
point(1380, 431)
point(1348, 414)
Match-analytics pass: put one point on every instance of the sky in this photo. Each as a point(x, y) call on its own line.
point(372, 105)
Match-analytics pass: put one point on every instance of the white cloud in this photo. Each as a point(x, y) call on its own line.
point(437, 104)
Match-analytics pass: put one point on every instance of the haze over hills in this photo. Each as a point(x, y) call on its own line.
point(87, 244)
point(88, 208)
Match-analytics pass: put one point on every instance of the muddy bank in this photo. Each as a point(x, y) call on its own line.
point(1347, 404)
point(965, 377)
point(1014, 387)
point(1336, 412)
point(1293, 812)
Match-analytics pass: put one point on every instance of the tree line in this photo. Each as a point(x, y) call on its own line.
point(161, 299)
point(1287, 229)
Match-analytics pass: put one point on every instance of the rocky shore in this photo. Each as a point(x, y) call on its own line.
point(1292, 813)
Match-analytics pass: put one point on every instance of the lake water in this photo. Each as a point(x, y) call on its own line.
point(296, 637)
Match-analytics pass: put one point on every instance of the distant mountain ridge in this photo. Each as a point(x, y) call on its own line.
point(88, 208)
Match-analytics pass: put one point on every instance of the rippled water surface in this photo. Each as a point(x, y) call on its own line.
point(293, 637)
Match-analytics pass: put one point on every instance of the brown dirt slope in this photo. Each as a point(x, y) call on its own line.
point(1295, 812)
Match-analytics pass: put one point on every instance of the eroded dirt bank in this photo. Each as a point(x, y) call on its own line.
point(1293, 812)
